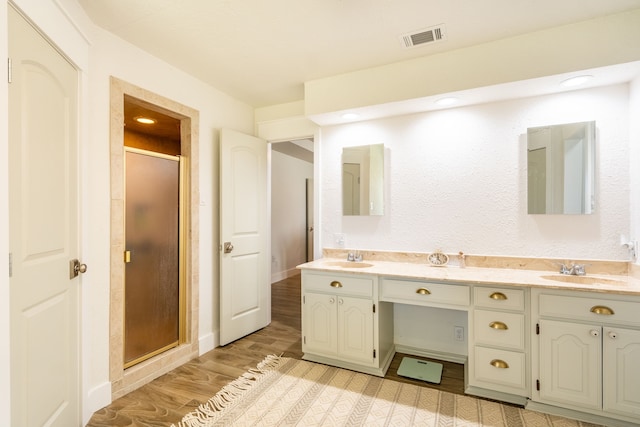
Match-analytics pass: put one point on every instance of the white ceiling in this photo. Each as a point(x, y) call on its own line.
point(261, 52)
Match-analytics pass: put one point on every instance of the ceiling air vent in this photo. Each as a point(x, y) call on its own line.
point(428, 35)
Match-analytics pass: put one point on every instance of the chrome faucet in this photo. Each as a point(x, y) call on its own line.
point(573, 269)
point(355, 256)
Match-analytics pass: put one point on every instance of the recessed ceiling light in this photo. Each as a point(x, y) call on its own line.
point(350, 116)
point(449, 100)
point(576, 81)
point(144, 120)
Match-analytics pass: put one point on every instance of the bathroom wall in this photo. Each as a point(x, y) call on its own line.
point(634, 161)
point(99, 55)
point(456, 180)
point(113, 57)
point(288, 214)
point(5, 336)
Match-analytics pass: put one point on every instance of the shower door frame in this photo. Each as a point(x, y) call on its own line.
point(181, 258)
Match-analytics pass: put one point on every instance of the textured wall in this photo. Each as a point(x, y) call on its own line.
point(456, 180)
point(634, 161)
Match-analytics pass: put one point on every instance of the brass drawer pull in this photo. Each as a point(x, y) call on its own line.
point(336, 284)
point(498, 296)
point(498, 325)
point(423, 291)
point(601, 309)
point(497, 363)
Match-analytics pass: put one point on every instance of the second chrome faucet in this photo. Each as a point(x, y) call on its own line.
point(573, 269)
point(354, 256)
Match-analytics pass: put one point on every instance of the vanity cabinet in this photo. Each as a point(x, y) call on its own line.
point(498, 363)
point(341, 322)
point(588, 352)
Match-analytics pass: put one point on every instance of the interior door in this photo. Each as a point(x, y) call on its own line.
point(310, 220)
point(245, 294)
point(43, 218)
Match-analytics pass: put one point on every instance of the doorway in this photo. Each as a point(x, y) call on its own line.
point(132, 367)
point(292, 206)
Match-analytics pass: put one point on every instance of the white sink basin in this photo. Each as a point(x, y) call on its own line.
point(583, 280)
point(348, 264)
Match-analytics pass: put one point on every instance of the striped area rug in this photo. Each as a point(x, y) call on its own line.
point(290, 392)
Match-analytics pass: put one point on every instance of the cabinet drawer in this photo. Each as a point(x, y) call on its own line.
point(500, 367)
point(499, 329)
point(339, 285)
point(576, 307)
point(423, 293)
point(502, 298)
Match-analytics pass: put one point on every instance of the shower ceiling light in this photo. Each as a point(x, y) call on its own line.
point(144, 120)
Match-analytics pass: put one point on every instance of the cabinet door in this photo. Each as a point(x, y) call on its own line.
point(320, 324)
point(621, 365)
point(570, 364)
point(355, 329)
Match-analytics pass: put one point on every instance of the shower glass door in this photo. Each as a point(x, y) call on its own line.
point(152, 276)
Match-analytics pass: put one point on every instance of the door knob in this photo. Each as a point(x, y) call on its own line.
point(228, 247)
point(76, 268)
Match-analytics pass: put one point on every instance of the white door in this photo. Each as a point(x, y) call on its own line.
point(43, 215)
point(245, 286)
point(310, 220)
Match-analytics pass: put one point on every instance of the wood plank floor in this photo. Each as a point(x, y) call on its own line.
point(167, 399)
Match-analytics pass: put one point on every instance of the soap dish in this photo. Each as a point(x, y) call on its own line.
point(438, 259)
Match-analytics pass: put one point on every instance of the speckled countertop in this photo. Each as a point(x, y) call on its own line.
point(518, 277)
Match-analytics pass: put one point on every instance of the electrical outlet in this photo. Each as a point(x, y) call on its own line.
point(458, 333)
point(339, 238)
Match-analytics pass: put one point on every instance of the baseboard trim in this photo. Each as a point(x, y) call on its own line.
point(379, 372)
point(281, 275)
point(496, 395)
point(438, 355)
point(578, 415)
point(97, 398)
point(206, 343)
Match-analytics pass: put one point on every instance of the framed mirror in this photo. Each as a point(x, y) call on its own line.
point(363, 180)
point(561, 168)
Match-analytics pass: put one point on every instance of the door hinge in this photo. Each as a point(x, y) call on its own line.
point(10, 264)
point(304, 301)
point(374, 308)
point(304, 340)
point(374, 353)
point(9, 70)
point(538, 385)
point(537, 328)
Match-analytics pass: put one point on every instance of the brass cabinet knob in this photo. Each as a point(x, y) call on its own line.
point(498, 296)
point(336, 284)
point(423, 291)
point(500, 364)
point(498, 325)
